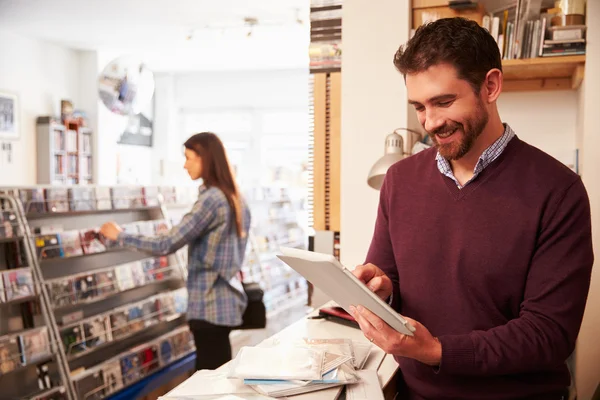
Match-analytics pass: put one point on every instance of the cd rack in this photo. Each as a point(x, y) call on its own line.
point(91, 300)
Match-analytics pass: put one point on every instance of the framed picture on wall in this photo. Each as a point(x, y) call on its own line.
point(9, 120)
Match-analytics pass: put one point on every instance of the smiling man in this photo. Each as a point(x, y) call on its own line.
point(483, 241)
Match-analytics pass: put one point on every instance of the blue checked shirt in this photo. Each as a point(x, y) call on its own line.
point(486, 158)
point(215, 255)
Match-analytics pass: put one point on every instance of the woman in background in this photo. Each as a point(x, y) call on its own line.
point(216, 230)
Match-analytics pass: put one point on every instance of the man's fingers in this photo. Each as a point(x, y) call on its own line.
point(373, 320)
point(365, 272)
point(366, 327)
point(376, 284)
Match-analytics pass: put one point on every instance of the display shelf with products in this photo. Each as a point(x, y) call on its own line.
point(274, 224)
point(134, 365)
point(29, 345)
point(103, 300)
point(64, 150)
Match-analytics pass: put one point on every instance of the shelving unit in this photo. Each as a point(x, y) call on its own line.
point(30, 348)
point(564, 72)
point(275, 225)
point(111, 309)
point(65, 153)
point(543, 73)
point(115, 316)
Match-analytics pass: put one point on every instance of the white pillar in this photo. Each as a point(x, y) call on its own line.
point(373, 105)
point(587, 367)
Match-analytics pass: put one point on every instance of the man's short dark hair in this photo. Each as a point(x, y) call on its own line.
point(459, 42)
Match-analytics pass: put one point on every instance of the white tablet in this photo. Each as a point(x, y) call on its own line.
point(325, 272)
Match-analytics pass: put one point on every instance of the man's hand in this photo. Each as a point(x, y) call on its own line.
point(111, 231)
point(422, 346)
point(375, 279)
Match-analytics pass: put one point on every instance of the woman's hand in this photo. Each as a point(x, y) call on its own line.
point(111, 231)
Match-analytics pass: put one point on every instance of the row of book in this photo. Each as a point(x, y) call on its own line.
point(85, 165)
point(16, 284)
point(89, 241)
point(85, 335)
point(91, 198)
point(17, 350)
point(91, 287)
point(9, 227)
point(139, 362)
point(524, 31)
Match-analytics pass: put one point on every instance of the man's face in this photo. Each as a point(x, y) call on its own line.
point(448, 109)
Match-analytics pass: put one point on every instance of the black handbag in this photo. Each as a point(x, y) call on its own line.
point(255, 316)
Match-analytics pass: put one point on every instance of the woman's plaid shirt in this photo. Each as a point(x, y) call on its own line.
point(215, 255)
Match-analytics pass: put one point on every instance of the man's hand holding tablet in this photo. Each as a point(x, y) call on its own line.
point(422, 346)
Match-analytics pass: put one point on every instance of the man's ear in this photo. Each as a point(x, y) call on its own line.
point(492, 85)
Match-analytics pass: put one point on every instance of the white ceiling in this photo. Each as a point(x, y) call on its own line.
point(157, 30)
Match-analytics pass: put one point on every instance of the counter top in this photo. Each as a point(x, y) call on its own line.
point(385, 364)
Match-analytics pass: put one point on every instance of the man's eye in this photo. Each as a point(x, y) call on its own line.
point(419, 108)
point(445, 103)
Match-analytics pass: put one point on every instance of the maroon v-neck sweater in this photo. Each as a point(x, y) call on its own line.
point(499, 271)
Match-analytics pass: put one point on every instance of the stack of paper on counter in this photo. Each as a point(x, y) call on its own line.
point(341, 359)
point(213, 385)
point(284, 369)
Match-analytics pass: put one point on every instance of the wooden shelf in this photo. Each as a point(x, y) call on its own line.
point(543, 73)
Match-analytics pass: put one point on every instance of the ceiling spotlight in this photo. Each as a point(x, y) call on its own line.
point(299, 20)
point(251, 21)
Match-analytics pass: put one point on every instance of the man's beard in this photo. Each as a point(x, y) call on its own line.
point(471, 130)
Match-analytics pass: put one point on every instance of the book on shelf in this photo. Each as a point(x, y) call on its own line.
point(103, 198)
point(95, 331)
point(33, 200)
point(17, 284)
point(82, 198)
point(34, 345)
point(62, 292)
point(130, 367)
point(91, 241)
point(84, 287)
point(71, 243)
point(72, 338)
point(113, 378)
point(149, 359)
point(10, 355)
point(525, 30)
point(86, 143)
point(57, 199)
point(48, 246)
point(90, 387)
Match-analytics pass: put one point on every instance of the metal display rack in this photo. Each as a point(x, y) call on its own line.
point(115, 317)
point(20, 286)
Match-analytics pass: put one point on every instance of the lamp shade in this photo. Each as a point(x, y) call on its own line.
point(394, 152)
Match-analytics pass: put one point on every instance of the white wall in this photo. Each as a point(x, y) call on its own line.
point(88, 100)
point(547, 120)
point(181, 96)
point(588, 348)
point(41, 74)
point(373, 105)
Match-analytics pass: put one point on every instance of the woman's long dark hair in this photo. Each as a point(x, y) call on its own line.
point(216, 171)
